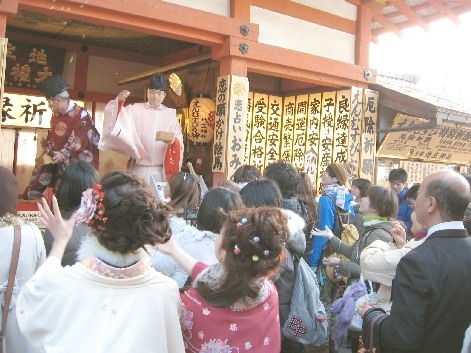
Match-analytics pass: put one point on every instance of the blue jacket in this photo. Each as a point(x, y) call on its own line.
point(326, 216)
point(404, 211)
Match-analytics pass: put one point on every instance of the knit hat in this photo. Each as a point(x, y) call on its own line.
point(53, 86)
point(158, 82)
point(340, 172)
point(9, 190)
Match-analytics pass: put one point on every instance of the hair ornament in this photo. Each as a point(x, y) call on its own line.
point(236, 249)
point(255, 258)
point(92, 209)
point(238, 224)
point(266, 252)
point(256, 239)
point(243, 220)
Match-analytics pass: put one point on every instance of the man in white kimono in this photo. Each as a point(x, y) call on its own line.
point(147, 132)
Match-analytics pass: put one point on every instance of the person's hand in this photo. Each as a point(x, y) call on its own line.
point(168, 248)
point(398, 233)
point(326, 233)
point(331, 261)
point(363, 308)
point(175, 84)
point(123, 95)
point(61, 230)
point(59, 157)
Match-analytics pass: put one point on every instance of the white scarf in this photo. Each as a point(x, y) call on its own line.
point(340, 192)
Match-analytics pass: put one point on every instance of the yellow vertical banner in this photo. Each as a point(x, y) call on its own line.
point(326, 133)
point(248, 129)
point(220, 124)
point(313, 139)
point(275, 109)
point(342, 117)
point(355, 126)
point(287, 129)
point(259, 130)
point(368, 136)
point(300, 123)
point(237, 113)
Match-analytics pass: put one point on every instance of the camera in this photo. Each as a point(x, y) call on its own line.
point(190, 214)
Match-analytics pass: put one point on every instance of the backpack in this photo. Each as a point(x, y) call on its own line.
point(307, 320)
point(346, 232)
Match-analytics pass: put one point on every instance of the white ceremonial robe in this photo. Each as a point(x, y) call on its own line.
point(133, 131)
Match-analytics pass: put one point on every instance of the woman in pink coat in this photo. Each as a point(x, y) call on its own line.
point(233, 306)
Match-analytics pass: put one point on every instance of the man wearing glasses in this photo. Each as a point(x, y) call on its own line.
point(72, 136)
point(397, 182)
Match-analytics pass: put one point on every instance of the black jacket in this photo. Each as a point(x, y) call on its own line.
point(430, 309)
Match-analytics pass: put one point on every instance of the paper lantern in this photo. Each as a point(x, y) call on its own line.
point(202, 114)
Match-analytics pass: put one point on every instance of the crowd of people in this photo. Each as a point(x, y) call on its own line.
point(127, 272)
point(215, 273)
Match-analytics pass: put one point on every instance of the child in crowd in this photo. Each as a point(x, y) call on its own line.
point(233, 306)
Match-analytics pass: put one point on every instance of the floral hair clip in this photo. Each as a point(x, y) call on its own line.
point(236, 249)
point(266, 252)
point(92, 209)
point(255, 258)
point(256, 239)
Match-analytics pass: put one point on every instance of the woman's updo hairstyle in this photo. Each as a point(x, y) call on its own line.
point(252, 240)
point(258, 234)
point(134, 217)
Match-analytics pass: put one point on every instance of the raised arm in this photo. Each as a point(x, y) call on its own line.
point(61, 230)
point(181, 257)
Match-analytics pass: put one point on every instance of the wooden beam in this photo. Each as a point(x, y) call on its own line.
point(166, 68)
point(411, 14)
point(127, 21)
point(232, 65)
point(430, 18)
point(184, 54)
point(157, 17)
point(446, 11)
point(377, 15)
point(306, 13)
point(363, 36)
point(9, 8)
point(280, 62)
point(354, 2)
point(75, 47)
point(388, 26)
point(240, 9)
point(3, 25)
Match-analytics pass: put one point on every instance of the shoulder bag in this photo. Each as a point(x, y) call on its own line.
point(11, 281)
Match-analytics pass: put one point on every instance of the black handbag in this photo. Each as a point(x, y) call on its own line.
point(370, 339)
